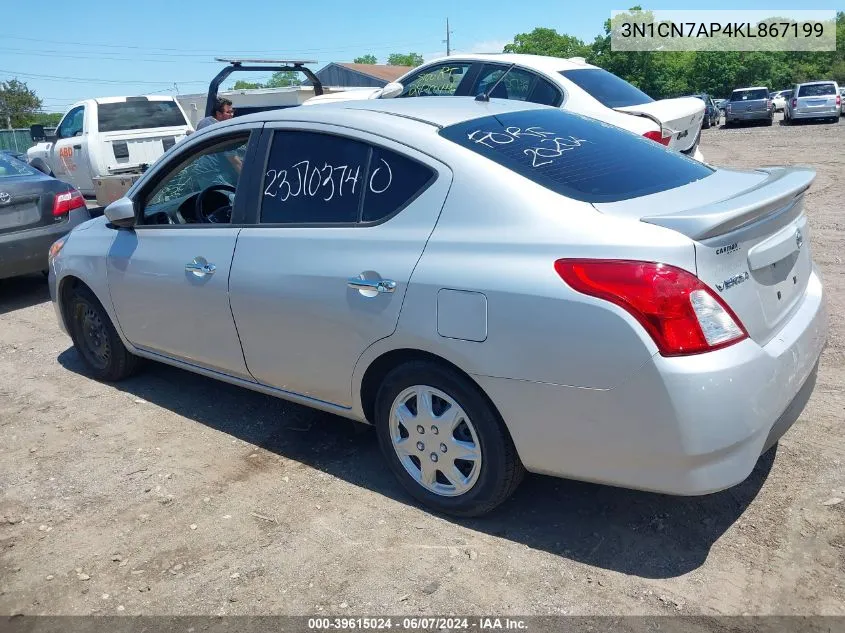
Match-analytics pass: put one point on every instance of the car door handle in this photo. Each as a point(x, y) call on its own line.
point(379, 285)
point(200, 269)
point(77, 147)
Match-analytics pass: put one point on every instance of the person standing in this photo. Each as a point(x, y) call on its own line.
point(222, 112)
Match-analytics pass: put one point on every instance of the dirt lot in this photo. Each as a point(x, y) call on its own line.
point(175, 494)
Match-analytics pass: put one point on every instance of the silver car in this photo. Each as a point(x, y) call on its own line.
point(497, 287)
point(814, 100)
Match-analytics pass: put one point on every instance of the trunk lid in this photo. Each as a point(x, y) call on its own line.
point(27, 204)
point(681, 117)
point(750, 235)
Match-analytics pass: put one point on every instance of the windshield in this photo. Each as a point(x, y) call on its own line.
point(816, 90)
point(10, 166)
point(750, 95)
point(576, 156)
point(606, 88)
point(138, 113)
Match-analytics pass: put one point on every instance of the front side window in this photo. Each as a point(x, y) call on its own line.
point(606, 88)
point(71, 125)
point(315, 178)
point(575, 156)
point(438, 81)
point(201, 184)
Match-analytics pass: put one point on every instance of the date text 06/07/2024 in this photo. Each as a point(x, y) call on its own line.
point(491, 623)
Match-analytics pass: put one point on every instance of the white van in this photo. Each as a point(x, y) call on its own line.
point(110, 136)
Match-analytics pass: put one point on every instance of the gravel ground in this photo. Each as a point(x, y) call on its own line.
point(175, 494)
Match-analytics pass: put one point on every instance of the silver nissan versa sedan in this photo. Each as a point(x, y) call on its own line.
point(496, 286)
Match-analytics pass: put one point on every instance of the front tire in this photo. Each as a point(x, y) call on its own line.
point(444, 441)
point(96, 339)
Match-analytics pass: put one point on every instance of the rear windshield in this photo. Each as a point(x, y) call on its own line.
point(816, 90)
point(11, 166)
point(606, 88)
point(575, 156)
point(137, 115)
point(749, 95)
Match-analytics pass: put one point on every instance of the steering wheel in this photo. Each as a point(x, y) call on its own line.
point(220, 215)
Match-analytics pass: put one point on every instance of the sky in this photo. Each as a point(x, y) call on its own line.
point(111, 48)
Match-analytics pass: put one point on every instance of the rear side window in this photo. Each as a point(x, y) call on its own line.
point(138, 114)
point(606, 88)
point(11, 166)
point(576, 156)
point(749, 95)
point(817, 90)
point(315, 178)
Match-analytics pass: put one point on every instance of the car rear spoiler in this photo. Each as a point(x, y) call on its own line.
point(777, 193)
point(259, 65)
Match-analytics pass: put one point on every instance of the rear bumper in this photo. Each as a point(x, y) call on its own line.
point(815, 114)
point(685, 426)
point(748, 116)
point(25, 252)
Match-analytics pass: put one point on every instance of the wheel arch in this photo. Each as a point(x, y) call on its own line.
point(383, 363)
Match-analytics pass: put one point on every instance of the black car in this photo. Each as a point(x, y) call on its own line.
point(712, 114)
point(35, 211)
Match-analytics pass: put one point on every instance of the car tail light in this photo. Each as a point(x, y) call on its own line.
point(681, 314)
point(795, 103)
point(65, 202)
point(838, 100)
point(658, 137)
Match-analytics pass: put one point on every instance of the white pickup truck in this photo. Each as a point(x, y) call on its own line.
point(108, 137)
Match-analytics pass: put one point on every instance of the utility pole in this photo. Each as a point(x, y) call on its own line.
point(448, 40)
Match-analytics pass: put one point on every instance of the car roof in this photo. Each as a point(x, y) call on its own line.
point(821, 81)
point(435, 111)
point(753, 88)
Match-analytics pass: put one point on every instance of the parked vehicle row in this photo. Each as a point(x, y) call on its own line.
point(498, 286)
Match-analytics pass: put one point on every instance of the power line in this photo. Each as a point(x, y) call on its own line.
point(94, 80)
point(181, 52)
point(94, 56)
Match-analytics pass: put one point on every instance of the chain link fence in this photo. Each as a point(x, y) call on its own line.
point(19, 140)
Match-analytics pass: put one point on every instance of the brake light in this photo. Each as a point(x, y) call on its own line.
point(658, 137)
point(769, 104)
point(795, 103)
point(838, 100)
point(65, 202)
point(681, 314)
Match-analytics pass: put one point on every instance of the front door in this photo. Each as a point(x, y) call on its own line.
point(343, 223)
point(168, 277)
point(70, 152)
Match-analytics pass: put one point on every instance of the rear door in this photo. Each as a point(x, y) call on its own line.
point(344, 218)
point(70, 160)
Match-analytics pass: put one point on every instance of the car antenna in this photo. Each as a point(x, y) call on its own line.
point(485, 96)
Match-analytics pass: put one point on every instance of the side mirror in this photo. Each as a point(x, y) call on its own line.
point(121, 213)
point(393, 89)
point(36, 132)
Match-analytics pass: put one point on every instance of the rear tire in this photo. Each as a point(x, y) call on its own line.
point(414, 440)
point(96, 339)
